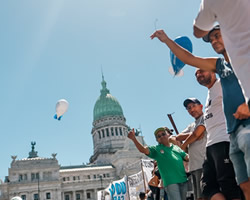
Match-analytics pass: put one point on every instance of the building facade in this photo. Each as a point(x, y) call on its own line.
point(114, 155)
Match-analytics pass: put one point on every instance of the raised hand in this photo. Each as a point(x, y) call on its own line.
point(131, 134)
point(161, 35)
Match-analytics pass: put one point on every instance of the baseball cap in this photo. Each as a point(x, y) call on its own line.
point(191, 100)
point(206, 37)
point(163, 129)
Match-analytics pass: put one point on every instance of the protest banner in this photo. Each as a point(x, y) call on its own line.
point(117, 190)
point(147, 167)
point(135, 185)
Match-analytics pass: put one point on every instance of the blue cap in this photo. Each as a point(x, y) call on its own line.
point(191, 100)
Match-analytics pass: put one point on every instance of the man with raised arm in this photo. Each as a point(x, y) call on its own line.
point(170, 159)
point(233, 17)
point(232, 99)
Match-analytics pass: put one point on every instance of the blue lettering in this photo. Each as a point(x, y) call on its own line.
point(123, 187)
point(112, 191)
point(118, 188)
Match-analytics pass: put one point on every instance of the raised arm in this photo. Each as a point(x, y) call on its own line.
point(196, 135)
point(182, 136)
point(198, 32)
point(207, 64)
point(139, 146)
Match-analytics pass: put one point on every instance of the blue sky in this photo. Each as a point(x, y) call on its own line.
point(54, 49)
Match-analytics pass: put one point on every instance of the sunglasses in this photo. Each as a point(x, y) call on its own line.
point(160, 135)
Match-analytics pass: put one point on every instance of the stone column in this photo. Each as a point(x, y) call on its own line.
point(29, 196)
point(73, 195)
point(58, 194)
point(63, 197)
point(95, 194)
point(84, 194)
point(41, 197)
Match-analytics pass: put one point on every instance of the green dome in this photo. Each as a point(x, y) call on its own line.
point(106, 104)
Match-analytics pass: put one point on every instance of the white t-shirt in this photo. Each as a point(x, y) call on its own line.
point(214, 117)
point(197, 149)
point(234, 19)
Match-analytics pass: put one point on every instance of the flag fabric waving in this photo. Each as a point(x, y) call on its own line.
point(117, 190)
point(135, 185)
point(128, 188)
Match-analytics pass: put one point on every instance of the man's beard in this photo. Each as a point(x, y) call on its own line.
point(205, 81)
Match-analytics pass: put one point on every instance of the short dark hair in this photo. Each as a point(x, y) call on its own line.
point(142, 195)
point(191, 100)
point(206, 37)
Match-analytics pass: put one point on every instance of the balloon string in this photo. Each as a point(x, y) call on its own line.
point(156, 20)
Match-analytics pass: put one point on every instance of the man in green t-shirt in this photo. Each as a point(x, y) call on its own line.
point(170, 162)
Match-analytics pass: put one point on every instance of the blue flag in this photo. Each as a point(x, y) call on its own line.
point(186, 43)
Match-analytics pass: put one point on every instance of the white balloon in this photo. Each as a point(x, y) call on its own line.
point(16, 198)
point(61, 107)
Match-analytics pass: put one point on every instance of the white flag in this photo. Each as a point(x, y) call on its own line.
point(147, 167)
point(135, 185)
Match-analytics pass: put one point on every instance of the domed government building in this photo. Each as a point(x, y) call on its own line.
point(114, 155)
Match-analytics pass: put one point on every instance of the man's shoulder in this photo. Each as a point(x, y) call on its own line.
point(189, 128)
point(199, 121)
point(176, 148)
point(219, 63)
point(224, 69)
point(216, 88)
point(155, 146)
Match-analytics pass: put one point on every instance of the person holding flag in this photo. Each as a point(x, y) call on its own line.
point(233, 18)
point(218, 173)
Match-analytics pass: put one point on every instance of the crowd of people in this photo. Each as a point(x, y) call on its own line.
point(217, 144)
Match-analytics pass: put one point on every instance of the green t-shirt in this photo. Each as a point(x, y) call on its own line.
point(170, 163)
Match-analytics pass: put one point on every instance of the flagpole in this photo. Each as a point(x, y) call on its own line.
point(173, 124)
point(128, 187)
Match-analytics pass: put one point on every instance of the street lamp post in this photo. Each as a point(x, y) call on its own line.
point(38, 179)
point(101, 182)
